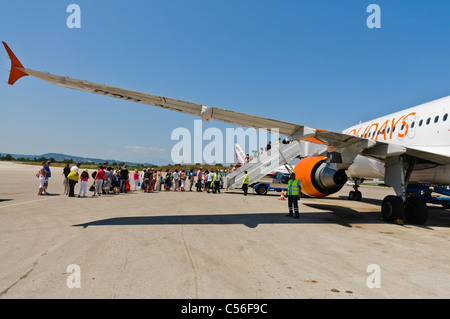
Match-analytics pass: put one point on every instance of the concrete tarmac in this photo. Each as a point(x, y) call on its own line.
point(197, 245)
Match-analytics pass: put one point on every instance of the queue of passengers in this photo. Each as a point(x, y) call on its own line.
point(104, 180)
point(107, 180)
point(182, 180)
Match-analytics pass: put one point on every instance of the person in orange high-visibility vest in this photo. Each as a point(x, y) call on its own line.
point(293, 193)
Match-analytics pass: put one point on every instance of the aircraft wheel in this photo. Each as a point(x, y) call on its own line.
point(416, 210)
point(351, 195)
point(392, 208)
point(354, 195)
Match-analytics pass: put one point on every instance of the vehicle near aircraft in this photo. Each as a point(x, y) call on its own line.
point(278, 183)
point(425, 192)
point(408, 146)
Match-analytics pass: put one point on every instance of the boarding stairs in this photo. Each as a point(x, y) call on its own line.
point(265, 163)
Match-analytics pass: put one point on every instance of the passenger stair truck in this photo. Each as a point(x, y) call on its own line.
point(265, 163)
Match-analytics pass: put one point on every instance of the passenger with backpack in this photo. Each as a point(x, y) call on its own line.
point(83, 183)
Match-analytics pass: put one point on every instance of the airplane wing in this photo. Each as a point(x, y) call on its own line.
point(352, 145)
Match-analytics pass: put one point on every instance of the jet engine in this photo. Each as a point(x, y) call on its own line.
point(317, 178)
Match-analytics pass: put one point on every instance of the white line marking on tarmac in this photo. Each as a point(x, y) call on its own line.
point(31, 201)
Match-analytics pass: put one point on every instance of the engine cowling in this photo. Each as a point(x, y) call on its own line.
point(317, 178)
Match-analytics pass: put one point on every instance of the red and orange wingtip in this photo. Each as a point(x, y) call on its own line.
point(15, 72)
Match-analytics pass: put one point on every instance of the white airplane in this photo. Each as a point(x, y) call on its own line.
point(411, 145)
point(240, 155)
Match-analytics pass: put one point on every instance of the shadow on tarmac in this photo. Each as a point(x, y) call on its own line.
point(249, 220)
point(343, 216)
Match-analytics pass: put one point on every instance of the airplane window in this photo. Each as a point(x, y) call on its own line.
point(436, 119)
point(412, 124)
point(428, 121)
point(403, 126)
point(393, 130)
point(445, 117)
point(421, 122)
point(389, 129)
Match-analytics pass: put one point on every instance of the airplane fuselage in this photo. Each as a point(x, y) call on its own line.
point(424, 127)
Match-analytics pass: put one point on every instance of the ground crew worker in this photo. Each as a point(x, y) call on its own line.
point(217, 182)
point(293, 193)
point(245, 183)
point(213, 183)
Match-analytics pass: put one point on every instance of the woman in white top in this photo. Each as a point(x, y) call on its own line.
point(176, 178)
point(42, 173)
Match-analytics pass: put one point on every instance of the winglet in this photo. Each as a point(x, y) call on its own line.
point(15, 73)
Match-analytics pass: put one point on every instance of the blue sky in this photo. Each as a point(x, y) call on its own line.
point(314, 63)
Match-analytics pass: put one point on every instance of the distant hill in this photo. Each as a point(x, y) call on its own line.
point(61, 157)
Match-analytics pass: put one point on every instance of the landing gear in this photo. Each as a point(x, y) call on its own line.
point(395, 208)
point(416, 210)
point(356, 194)
point(392, 209)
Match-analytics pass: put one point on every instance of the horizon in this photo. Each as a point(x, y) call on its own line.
point(67, 156)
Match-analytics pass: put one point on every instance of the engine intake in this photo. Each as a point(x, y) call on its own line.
point(318, 179)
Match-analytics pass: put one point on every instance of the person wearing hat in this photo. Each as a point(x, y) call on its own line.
point(83, 183)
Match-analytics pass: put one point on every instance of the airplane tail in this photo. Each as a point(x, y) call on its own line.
point(16, 72)
point(240, 156)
